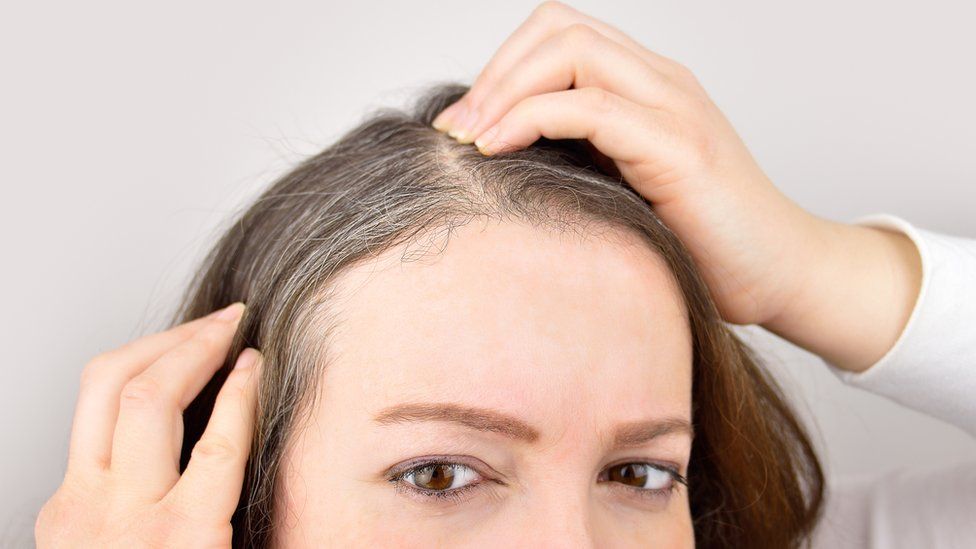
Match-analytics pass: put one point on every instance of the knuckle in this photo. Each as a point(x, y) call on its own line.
point(143, 391)
point(176, 526)
point(216, 448)
point(46, 518)
point(173, 525)
point(579, 35)
point(233, 391)
point(237, 382)
point(684, 75)
point(703, 145)
point(502, 88)
point(207, 343)
point(209, 340)
point(64, 515)
point(598, 99)
point(163, 530)
point(171, 512)
point(550, 9)
point(519, 111)
point(96, 368)
point(683, 71)
point(525, 111)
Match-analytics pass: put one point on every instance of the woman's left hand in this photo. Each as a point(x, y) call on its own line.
point(563, 74)
point(766, 260)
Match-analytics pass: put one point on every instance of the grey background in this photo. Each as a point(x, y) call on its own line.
point(131, 131)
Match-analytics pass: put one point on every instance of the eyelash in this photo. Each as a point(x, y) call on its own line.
point(456, 495)
point(653, 493)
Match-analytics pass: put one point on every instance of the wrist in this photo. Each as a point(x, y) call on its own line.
point(803, 240)
point(857, 289)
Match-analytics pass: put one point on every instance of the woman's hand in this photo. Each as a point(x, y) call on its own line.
point(123, 486)
point(668, 140)
point(765, 259)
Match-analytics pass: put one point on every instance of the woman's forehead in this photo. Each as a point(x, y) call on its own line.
point(509, 309)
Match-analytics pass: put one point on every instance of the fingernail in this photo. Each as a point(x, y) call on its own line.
point(231, 312)
point(247, 358)
point(461, 113)
point(487, 139)
point(467, 125)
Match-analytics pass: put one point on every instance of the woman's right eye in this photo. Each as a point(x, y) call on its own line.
point(439, 477)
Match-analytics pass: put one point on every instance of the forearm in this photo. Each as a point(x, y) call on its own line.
point(857, 288)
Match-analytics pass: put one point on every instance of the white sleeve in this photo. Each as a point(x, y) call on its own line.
point(931, 368)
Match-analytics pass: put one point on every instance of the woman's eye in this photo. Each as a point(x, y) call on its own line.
point(641, 475)
point(440, 476)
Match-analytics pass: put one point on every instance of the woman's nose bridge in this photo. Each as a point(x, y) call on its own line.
point(558, 516)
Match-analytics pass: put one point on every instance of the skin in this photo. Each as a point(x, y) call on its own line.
point(561, 74)
point(122, 487)
point(573, 337)
point(813, 281)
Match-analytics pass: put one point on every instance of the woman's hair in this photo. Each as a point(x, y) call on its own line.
point(754, 477)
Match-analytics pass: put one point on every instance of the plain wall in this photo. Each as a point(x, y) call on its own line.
point(130, 132)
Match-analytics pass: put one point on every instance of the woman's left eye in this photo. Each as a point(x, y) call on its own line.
point(654, 479)
point(440, 477)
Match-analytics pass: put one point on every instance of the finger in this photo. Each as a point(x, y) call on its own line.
point(210, 487)
point(102, 379)
point(547, 19)
point(618, 128)
point(148, 435)
point(577, 56)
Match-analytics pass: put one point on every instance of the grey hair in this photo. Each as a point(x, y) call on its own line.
point(393, 180)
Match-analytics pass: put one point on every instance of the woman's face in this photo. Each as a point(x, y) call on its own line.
point(521, 388)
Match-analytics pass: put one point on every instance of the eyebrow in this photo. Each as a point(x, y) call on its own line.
point(481, 419)
point(630, 434)
point(637, 433)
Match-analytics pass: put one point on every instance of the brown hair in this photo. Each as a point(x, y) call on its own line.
point(754, 478)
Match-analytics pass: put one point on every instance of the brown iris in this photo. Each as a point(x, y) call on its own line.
point(435, 477)
point(633, 474)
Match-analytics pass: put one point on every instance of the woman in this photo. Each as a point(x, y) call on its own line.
point(440, 365)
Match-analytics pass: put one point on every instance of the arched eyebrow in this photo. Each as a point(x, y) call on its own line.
point(480, 419)
point(641, 432)
point(625, 435)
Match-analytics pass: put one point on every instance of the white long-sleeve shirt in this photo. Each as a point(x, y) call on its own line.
point(931, 368)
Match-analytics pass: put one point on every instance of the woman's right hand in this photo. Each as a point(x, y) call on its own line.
point(123, 487)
